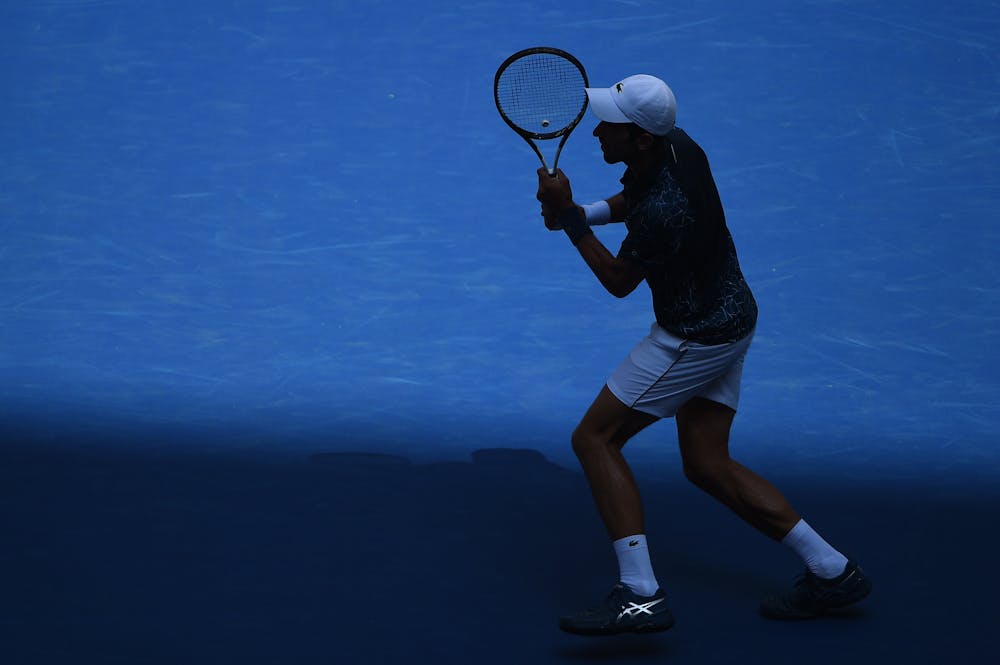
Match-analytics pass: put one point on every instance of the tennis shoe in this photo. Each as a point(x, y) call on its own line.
point(814, 596)
point(623, 611)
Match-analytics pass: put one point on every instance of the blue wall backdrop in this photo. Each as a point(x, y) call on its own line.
point(288, 364)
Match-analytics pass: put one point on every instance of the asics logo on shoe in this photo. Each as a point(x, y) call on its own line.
point(635, 609)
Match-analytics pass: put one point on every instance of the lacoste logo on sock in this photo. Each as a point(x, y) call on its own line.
point(634, 609)
point(633, 543)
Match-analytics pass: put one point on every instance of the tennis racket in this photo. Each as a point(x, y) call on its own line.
point(540, 92)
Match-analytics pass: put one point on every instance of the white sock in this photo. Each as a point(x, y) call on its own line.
point(634, 566)
point(820, 557)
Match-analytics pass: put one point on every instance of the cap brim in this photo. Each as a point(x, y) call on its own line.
point(603, 105)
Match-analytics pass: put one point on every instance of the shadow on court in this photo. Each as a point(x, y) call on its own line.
point(350, 557)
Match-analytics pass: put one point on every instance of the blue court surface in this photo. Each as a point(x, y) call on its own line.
point(289, 365)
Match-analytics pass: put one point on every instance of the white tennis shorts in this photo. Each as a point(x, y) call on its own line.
point(664, 371)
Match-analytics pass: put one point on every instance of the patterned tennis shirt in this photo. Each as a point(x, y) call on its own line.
point(677, 232)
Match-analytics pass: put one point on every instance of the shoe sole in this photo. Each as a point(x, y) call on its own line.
point(641, 629)
point(857, 596)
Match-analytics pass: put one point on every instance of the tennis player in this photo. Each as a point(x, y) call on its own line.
point(688, 367)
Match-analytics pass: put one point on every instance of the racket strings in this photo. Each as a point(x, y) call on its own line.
point(541, 93)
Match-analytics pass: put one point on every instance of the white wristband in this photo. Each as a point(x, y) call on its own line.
point(597, 213)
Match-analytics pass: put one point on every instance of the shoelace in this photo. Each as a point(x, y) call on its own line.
point(614, 598)
point(801, 578)
point(806, 579)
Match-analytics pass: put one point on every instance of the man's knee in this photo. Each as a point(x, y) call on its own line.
point(706, 474)
point(586, 440)
point(581, 441)
point(703, 433)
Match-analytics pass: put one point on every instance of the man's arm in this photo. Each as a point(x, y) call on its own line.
point(618, 276)
point(606, 211)
point(617, 205)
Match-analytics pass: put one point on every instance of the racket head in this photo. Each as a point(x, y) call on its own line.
point(540, 92)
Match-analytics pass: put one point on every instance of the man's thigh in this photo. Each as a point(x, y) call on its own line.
point(610, 420)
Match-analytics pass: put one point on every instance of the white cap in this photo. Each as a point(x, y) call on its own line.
point(641, 99)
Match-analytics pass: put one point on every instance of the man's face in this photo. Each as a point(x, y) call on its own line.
point(618, 141)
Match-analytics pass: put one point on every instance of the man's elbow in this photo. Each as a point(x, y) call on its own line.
point(621, 289)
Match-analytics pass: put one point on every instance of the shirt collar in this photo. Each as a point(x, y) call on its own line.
point(634, 183)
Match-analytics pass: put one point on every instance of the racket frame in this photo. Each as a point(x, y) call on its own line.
point(530, 137)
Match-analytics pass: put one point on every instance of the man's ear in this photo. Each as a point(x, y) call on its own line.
point(645, 141)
